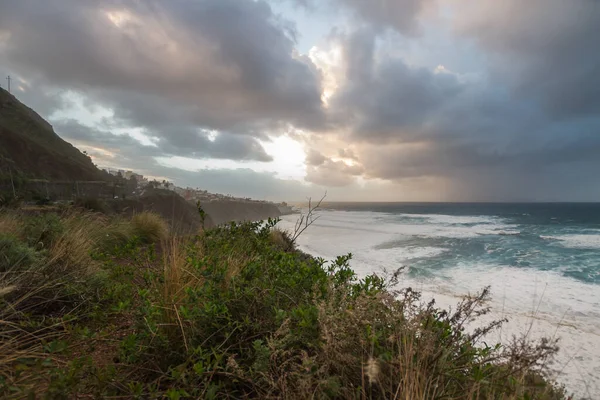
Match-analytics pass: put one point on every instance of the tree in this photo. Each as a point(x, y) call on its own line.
point(133, 182)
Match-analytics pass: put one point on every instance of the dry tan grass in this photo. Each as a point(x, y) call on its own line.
point(150, 227)
point(65, 259)
point(280, 239)
point(71, 251)
point(176, 276)
point(10, 223)
point(417, 365)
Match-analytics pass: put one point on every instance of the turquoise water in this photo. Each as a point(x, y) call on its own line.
point(560, 237)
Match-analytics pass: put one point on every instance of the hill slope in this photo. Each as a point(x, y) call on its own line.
point(29, 147)
point(182, 215)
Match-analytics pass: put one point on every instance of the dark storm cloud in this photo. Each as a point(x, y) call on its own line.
point(401, 15)
point(208, 78)
point(388, 100)
point(544, 49)
point(408, 122)
point(227, 65)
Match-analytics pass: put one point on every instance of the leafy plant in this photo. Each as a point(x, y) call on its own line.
point(15, 254)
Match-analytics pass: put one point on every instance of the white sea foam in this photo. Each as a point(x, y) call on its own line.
point(420, 225)
point(536, 303)
point(507, 232)
point(576, 241)
point(541, 303)
point(453, 219)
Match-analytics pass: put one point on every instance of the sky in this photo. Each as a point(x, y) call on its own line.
point(365, 100)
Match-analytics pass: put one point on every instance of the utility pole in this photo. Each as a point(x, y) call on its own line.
point(8, 79)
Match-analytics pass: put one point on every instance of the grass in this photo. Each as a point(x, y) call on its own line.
point(97, 307)
point(149, 227)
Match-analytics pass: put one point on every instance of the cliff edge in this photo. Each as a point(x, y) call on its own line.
point(225, 211)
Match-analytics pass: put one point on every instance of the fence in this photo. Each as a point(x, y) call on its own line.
point(63, 190)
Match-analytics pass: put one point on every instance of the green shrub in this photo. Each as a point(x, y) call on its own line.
point(237, 313)
point(41, 230)
point(239, 317)
point(15, 255)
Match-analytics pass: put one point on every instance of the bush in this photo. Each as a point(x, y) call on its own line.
point(8, 200)
point(281, 239)
point(236, 312)
point(238, 317)
point(149, 227)
point(41, 230)
point(15, 255)
point(56, 277)
point(91, 204)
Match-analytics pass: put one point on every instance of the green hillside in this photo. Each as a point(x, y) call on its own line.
point(29, 147)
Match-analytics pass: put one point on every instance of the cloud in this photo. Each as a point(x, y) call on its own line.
point(226, 65)
point(185, 143)
point(348, 154)
point(516, 118)
point(333, 173)
point(315, 158)
point(388, 100)
point(546, 50)
point(402, 15)
point(240, 182)
point(407, 122)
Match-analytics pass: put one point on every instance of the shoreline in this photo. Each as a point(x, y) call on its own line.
point(539, 309)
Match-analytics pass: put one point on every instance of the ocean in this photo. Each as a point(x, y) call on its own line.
point(542, 262)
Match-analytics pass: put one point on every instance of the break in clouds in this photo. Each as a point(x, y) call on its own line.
point(507, 109)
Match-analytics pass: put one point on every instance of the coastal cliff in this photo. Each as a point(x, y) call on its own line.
point(225, 211)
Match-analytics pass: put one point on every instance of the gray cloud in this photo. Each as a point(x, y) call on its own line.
point(347, 153)
point(227, 65)
point(388, 100)
point(399, 14)
point(188, 142)
point(543, 49)
point(179, 71)
point(408, 122)
point(329, 173)
point(126, 152)
point(313, 157)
